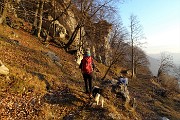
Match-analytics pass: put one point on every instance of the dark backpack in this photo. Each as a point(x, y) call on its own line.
point(87, 66)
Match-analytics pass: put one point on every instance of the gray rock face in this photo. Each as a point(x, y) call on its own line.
point(53, 56)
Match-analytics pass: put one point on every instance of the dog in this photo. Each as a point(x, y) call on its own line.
point(97, 94)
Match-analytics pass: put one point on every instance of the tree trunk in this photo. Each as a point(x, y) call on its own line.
point(1, 9)
point(4, 12)
point(132, 48)
point(73, 36)
point(40, 18)
point(111, 64)
point(107, 71)
point(34, 28)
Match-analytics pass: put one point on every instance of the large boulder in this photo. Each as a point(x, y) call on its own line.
point(60, 30)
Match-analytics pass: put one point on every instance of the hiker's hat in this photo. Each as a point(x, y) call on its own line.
point(87, 51)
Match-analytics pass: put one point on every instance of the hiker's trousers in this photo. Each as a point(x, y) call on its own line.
point(88, 82)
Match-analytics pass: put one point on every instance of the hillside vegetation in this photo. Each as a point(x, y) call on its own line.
point(39, 88)
point(41, 44)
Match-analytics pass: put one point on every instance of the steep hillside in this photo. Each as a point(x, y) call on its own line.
point(37, 87)
point(40, 86)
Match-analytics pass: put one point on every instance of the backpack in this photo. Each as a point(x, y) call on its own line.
point(87, 66)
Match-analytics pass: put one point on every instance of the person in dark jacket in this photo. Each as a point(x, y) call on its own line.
point(87, 67)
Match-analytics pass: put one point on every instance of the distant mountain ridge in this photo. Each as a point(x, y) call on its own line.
point(176, 57)
point(154, 60)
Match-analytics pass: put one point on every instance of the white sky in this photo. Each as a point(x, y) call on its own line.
point(160, 20)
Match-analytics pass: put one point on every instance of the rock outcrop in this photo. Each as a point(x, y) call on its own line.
point(3, 69)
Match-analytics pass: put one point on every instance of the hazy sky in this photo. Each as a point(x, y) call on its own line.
point(160, 20)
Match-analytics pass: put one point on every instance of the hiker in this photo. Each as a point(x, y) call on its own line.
point(120, 80)
point(87, 67)
point(123, 80)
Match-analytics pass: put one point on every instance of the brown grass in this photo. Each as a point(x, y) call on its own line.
point(48, 91)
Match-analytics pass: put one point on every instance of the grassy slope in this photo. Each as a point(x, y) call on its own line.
point(39, 89)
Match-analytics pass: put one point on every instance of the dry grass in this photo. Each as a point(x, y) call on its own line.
point(57, 92)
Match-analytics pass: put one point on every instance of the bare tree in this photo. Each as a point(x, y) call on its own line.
point(40, 17)
point(166, 63)
point(118, 47)
point(88, 9)
point(136, 34)
point(3, 10)
point(169, 82)
point(34, 27)
point(140, 59)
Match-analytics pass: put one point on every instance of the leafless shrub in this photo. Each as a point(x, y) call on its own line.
point(169, 82)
